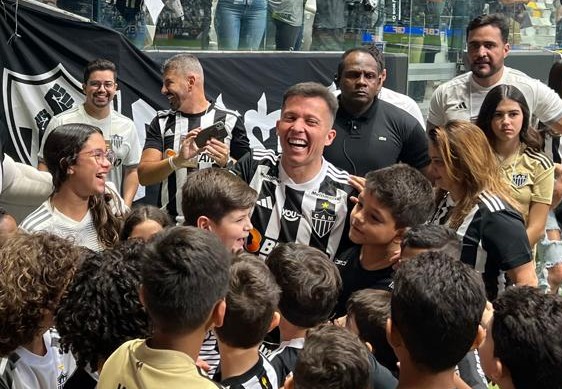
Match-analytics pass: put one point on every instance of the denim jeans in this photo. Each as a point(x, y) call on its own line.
point(240, 24)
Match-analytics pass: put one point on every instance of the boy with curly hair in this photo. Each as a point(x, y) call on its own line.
point(34, 272)
point(103, 294)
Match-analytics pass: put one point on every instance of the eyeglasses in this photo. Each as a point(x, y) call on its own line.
point(99, 155)
point(98, 84)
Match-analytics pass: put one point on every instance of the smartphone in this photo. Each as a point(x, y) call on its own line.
point(216, 130)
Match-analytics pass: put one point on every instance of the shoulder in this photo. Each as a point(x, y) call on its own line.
point(491, 203)
point(461, 79)
point(336, 174)
point(120, 118)
point(265, 155)
point(219, 106)
point(165, 113)
point(537, 158)
point(36, 220)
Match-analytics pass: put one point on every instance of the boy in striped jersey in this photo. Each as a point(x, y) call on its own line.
point(302, 197)
point(251, 305)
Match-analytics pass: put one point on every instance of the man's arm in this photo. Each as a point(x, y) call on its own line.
point(130, 184)
point(523, 274)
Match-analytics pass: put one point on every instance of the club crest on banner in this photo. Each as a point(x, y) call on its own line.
point(323, 217)
point(519, 179)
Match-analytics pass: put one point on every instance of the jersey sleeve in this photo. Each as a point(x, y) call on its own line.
point(505, 239)
point(543, 186)
point(154, 138)
point(243, 168)
point(133, 157)
point(240, 144)
point(436, 115)
point(549, 105)
point(415, 150)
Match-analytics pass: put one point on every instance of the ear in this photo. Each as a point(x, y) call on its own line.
point(274, 321)
point(479, 339)
point(392, 334)
point(142, 297)
point(289, 382)
point(369, 347)
point(84, 87)
point(399, 235)
point(330, 136)
point(204, 223)
point(217, 315)
point(383, 76)
point(506, 49)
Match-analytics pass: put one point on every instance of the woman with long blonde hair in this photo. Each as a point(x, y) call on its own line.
point(475, 201)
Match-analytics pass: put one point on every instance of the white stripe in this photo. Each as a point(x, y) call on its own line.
point(337, 231)
point(3, 364)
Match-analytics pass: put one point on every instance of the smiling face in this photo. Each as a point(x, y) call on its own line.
point(175, 87)
point(87, 176)
point(507, 121)
point(100, 88)
point(486, 53)
point(233, 228)
point(360, 81)
point(371, 222)
point(304, 129)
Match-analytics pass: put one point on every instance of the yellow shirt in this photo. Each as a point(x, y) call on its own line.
point(530, 175)
point(134, 365)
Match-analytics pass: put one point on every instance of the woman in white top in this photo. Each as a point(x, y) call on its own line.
point(83, 205)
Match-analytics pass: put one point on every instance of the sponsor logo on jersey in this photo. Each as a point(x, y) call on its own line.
point(291, 215)
point(325, 196)
point(323, 218)
point(265, 202)
point(519, 179)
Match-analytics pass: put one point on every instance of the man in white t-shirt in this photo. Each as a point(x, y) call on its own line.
point(100, 86)
point(461, 97)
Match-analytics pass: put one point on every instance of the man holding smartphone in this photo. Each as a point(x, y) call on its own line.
point(171, 150)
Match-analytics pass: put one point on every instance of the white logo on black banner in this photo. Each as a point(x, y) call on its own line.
point(519, 179)
point(323, 219)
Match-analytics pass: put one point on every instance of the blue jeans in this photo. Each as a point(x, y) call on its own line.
point(240, 24)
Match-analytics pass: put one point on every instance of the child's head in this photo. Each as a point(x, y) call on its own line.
point(219, 201)
point(367, 313)
point(332, 358)
point(184, 277)
point(103, 294)
point(425, 237)
point(8, 225)
point(35, 270)
point(143, 222)
point(436, 309)
point(523, 346)
point(310, 283)
point(393, 199)
point(251, 302)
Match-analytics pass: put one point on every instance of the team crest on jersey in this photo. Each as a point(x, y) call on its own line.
point(519, 179)
point(323, 217)
point(116, 141)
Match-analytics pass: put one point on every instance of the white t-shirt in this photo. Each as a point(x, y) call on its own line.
point(48, 218)
point(402, 101)
point(461, 98)
point(119, 133)
point(49, 371)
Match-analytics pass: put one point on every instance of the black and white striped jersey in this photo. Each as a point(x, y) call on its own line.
point(493, 237)
point(168, 129)
point(261, 376)
point(315, 213)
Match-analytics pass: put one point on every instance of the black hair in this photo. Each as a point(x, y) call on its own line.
point(495, 20)
point(141, 214)
point(433, 237)
point(99, 64)
point(185, 272)
point(101, 308)
point(437, 306)
point(527, 334)
point(372, 50)
point(310, 283)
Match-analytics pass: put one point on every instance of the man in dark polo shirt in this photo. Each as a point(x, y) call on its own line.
point(371, 133)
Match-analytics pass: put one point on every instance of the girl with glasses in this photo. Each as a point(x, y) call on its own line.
point(83, 206)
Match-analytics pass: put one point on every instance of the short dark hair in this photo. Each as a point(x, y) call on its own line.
point(250, 303)
point(527, 135)
point(99, 64)
point(184, 274)
point(495, 20)
point(310, 283)
point(332, 358)
point(35, 270)
point(141, 214)
point(312, 89)
point(428, 292)
point(103, 294)
point(370, 309)
point(184, 63)
point(526, 329)
point(433, 237)
point(372, 50)
point(404, 191)
point(213, 193)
